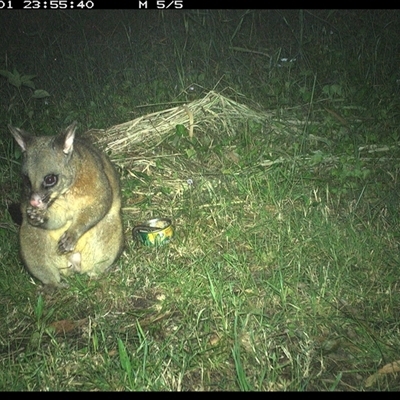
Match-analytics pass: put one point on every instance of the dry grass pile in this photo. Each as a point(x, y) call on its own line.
point(213, 113)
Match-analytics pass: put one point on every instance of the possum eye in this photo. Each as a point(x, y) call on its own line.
point(50, 180)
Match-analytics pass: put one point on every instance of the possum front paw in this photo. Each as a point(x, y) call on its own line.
point(36, 216)
point(67, 243)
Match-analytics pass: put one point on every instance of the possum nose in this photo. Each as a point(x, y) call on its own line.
point(36, 201)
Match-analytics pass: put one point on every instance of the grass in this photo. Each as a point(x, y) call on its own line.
point(283, 273)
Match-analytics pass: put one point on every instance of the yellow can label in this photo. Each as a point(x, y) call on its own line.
point(149, 235)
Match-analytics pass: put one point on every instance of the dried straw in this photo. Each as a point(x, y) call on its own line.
point(213, 112)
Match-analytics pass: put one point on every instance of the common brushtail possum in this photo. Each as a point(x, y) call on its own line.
point(71, 206)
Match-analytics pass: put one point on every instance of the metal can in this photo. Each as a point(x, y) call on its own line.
point(154, 232)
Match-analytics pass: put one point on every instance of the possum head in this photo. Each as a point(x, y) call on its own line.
point(47, 170)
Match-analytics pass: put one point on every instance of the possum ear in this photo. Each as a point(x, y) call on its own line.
point(22, 137)
point(67, 138)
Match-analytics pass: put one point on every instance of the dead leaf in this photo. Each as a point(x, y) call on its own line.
point(390, 368)
point(233, 156)
point(386, 369)
point(66, 325)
